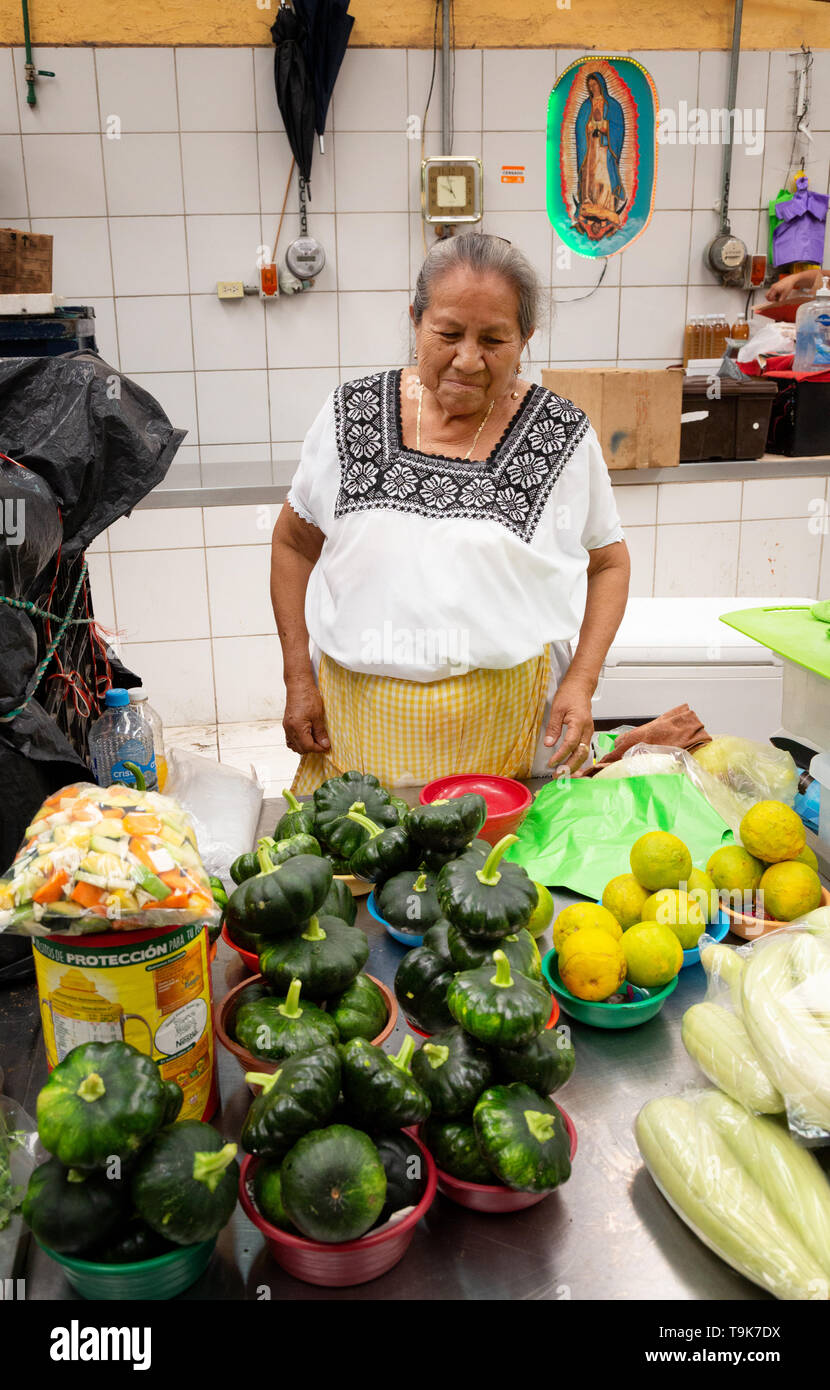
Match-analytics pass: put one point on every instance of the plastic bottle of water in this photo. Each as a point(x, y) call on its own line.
point(812, 333)
point(122, 735)
point(138, 700)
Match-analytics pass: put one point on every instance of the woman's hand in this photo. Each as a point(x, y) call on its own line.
point(304, 720)
point(571, 707)
point(809, 280)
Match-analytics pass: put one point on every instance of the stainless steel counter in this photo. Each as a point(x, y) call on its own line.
point(606, 1234)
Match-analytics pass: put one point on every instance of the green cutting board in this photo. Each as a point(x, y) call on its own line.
point(789, 632)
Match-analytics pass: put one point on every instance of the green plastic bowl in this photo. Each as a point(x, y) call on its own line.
point(162, 1277)
point(601, 1014)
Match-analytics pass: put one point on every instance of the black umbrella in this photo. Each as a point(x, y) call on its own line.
point(295, 86)
point(328, 26)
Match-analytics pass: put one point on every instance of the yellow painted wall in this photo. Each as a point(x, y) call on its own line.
point(583, 24)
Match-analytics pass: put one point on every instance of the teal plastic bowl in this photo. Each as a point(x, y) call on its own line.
point(162, 1277)
point(645, 1004)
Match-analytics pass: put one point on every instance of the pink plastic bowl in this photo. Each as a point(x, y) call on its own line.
point(249, 958)
point(508, 801)
point(477, 1196)
point(350, 1262)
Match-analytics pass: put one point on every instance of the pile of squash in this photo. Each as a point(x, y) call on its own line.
point(124, 1182)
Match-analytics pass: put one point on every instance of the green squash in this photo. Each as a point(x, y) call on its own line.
point(299, 1097)
point(246, 940)
point(137, 1241)
point(297, 820)
point(545, 1063)
point(268, 1196)
point(523, 1138)
point(293, 845)
point(278, 900)
point(432, 861)
point(499, 1008)
point(360, 1011)
point(326, 956)
point(402, 807)
point(173, 1100)
point(218, 892)
point(384, 853)
point(245, 866)
point(354, 791)
point(488, 900)
point(103, 1100)
point(333, 1184)
point(406, 1175)
point(421, 983)
point(469, 952)
point(339, 902)
point(409, 902)
point(379, 1092)
point(275, 1028)
point(448, 825)
point(453, 1069)
point(70, 1211)
point(453, 1145)
point(184, 1184)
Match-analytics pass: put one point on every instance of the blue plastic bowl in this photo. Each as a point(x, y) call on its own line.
point(717, 930)
point(406, 938)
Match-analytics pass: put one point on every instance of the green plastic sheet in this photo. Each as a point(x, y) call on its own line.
point(579, 830)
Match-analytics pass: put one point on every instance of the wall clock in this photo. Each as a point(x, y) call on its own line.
point(451, 188)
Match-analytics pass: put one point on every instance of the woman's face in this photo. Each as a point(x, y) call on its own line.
point(593, 86)
point(468, 341)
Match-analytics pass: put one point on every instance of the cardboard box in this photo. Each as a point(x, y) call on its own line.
point(25, 262)
point(636, 414)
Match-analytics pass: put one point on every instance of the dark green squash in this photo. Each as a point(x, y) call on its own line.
point(522, 1137)
point(184, 1184)
point(406, 1175)
point(432, 860)
point(453, 1145)
point(448, 826)
point(293, 845)
point(218, 892)
point(409, 902)
point(421, 983)
point(297, 820)
point(275, 1028)
point(71, 1211)
point(246, 866)
point(268, 1196)
point(469, 952)
point(246, 940)
point(339, 902)
point(173, 1099)
point(499, 1008)
point(360, 1011)
point(103, 1100)
point(333, 1184)
point(379, 1092)
point(278, 900)
point(326, 956)
point(354, 791)
point(137, 1241)
point(488, 900)
point(453, 1069)
point(385, 852)
point(402, 807)
point(298, 1097)
point(545, 1063)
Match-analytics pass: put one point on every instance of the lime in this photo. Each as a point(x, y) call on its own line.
point(591, 964)
point(772, 832)
point(652, 953)
point(581, 915)
point(660, 860)
point(676, 909)
point(624, 898)
point(542, 914)
point(789, 890)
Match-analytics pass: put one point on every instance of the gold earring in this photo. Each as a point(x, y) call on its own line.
point(514, 394)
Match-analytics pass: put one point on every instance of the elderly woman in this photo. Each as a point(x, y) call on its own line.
point(446, 529)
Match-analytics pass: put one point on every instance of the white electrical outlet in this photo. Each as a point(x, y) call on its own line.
point(230, 289)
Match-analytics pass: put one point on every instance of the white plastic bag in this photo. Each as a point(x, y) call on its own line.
point(769, 339)
point(223, 804)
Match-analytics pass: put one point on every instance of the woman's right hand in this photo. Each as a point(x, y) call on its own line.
point(304, 720)
point(808, 280)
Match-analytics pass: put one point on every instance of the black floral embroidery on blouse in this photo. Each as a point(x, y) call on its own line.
point(511, 486)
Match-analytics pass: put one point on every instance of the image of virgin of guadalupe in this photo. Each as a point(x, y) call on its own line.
point(600, 132)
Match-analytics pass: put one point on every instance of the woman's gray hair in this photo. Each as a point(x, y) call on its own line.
point(483, 254)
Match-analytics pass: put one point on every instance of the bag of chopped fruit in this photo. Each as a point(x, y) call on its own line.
point(97, 859)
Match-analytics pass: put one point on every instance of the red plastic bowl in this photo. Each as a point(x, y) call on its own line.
point(223, 1018)
point(351, 1261)
point(508, 801)
point(551, 1023)
point(250, 959)
point(478, 1196)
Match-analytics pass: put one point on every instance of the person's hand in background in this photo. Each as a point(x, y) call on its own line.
point(809, 280)
point(304, 720)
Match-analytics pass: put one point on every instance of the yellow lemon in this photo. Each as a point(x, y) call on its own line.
point(542, 914)
point(704, 891)
point(660, 860)
point(653, 954)
point(732, 867)
point(789, 890)
point(624, 898)
point(677, 910)
point(591, 964)
point(772, 832)
point(581, 915)
point(808, 857)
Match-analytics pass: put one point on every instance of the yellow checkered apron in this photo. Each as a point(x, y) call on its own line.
point(408, 732)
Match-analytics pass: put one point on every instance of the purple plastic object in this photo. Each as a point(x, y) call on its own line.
point(799, 235)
